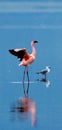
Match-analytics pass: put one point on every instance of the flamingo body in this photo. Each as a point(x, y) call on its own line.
point(26, 59)
point(23, 55)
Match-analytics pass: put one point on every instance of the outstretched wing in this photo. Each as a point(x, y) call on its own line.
point(19, 53)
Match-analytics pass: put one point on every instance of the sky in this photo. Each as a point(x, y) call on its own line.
point(21, 22)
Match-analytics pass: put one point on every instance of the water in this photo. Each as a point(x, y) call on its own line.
point(16, 31)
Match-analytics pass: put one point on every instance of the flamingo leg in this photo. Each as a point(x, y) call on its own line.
point(28, 81)
point(25, 72)
point(23, 81)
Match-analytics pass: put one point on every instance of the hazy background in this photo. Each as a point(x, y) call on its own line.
point(20, 23)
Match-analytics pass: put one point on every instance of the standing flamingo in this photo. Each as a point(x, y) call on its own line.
point(25, 58)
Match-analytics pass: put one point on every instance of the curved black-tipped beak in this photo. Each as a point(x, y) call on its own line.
point(35, 41)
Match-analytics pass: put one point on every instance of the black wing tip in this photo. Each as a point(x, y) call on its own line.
point(11, 50)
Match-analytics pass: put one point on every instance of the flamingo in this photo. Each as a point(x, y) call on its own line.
point(25, 58)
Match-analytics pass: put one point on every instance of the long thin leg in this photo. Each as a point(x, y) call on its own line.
point(24, 89)
point(23, 81)
point(24, 74)
point(28, 81)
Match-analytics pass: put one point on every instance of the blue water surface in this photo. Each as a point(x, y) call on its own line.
point(17, 30)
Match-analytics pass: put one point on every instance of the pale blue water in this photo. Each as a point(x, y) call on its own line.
point(17, 30)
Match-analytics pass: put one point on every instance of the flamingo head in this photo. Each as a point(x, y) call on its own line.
point(33, 42)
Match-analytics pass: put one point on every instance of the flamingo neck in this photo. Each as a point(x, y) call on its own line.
point(33, 49)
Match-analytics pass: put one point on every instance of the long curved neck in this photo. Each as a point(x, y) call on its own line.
point(33, 49)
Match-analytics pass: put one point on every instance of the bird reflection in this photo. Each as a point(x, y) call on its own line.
point(25, 108)
point(44, 80)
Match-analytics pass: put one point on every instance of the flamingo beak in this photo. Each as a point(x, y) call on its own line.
point(35, 41)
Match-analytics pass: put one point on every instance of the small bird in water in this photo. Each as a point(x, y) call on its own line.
point(45, 71)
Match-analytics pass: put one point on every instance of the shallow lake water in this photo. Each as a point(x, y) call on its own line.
point(17, 30)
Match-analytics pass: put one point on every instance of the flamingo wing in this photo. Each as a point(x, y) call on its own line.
point(19, 53)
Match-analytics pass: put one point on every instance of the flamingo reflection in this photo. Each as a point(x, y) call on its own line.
point(25, 106)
